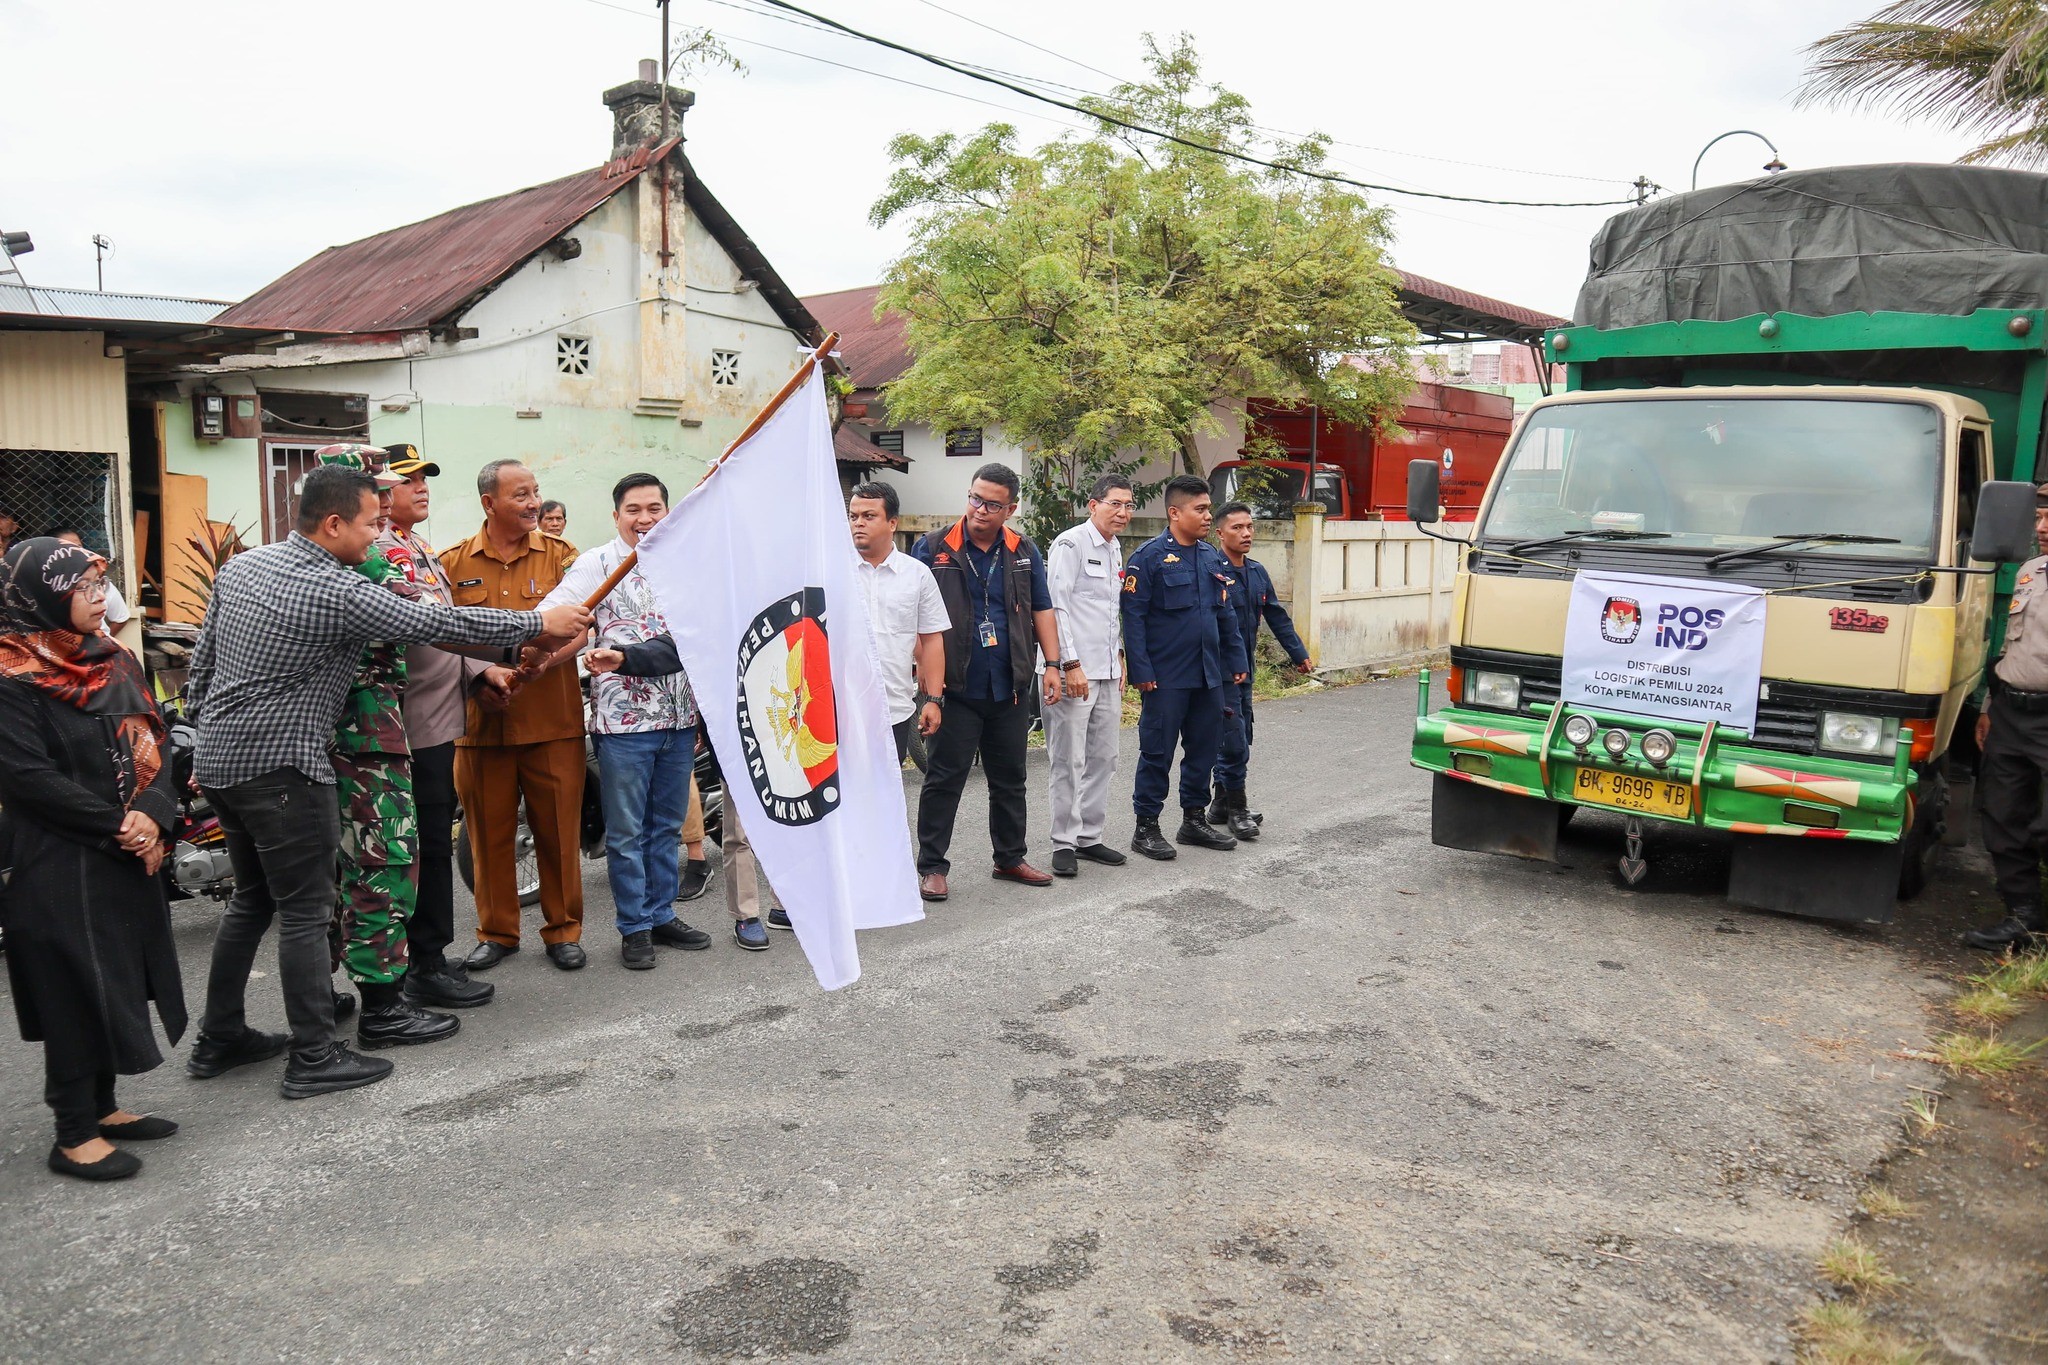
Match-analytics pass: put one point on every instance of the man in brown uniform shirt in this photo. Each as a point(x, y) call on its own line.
point(524, 736)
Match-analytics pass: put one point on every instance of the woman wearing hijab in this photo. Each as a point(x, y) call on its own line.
point(86, 812)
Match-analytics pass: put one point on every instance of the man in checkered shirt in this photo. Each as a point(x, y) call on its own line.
point(284, 631)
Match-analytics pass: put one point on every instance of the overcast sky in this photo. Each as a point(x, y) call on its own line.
point(217, 143)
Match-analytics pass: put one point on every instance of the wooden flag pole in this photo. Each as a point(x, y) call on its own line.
point(795, 382)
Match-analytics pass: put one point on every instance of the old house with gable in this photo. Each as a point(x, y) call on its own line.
point(609, 321)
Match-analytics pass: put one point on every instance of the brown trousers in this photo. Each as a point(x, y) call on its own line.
point(490, 781)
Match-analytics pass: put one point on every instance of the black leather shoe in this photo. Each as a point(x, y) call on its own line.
point(696, 876)
point(402, 1025)
point(568, 956)
point(1063, 864)
point(1241, 824)
point(115, 1165)
point(448, 987)
point(2014, 931)
point(1101, 853)
point(636, 950)
point(1149, 841)
point(676, 934)
point(1199, 833)
point(344, 1005)
point(335, 1069)
point(486, 956)
point(212, 1056)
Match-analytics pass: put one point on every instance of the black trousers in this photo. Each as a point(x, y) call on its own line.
point(996, 730)
point(903, 730)
point(433, 916)
point(2009, 792)
point(79, 1102)
point(284, 838)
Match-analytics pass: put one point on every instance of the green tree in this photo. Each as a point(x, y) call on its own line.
point(1093, 298)
point(1978, 66)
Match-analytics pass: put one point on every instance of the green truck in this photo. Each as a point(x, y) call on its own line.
point(1747, 570)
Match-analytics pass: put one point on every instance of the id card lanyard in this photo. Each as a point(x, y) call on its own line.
point(988, 625)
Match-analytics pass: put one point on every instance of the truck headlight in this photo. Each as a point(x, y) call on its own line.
point(1578, 731)
point(1497, 691)
point(1658, 746)
point(1847, 732)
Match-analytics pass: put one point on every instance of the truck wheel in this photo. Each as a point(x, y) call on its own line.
point(1920, 842)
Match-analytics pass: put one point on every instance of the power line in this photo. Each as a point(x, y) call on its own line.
point(1101, 116)
point(1074, 61)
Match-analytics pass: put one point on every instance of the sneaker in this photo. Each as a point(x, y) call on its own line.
point(749, 934)
point(212, 1056)
point(677, 934)
point(696, 876)
point(636, 950)
point(335, 1069)
point(778, 918)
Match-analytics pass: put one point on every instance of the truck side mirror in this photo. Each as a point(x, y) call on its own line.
point(1426, 498)
point(2005, 522)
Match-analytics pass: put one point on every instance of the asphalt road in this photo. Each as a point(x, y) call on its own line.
point(1336, 1095)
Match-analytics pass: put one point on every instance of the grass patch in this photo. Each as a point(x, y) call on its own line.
point(1840, 1334)
point(1985, 1004)
point(1879, 1202)
point(1981, 1054)
point(1923, 1115)
point(2017, 976)
point(1850, 1265)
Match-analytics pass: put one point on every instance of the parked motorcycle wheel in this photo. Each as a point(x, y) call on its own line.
point(526, 869)
point(920, 749)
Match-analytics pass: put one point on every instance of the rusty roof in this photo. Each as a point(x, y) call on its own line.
point(853, 444)
point(876, 352)
point(429, 272)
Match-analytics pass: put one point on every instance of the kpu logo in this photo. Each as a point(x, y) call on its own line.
point(789, 725)
point(1621, 620)
point(1684, 627)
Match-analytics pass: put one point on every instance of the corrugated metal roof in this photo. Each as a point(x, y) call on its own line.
point(876, 353)
point(427, 272)
point(95, 304)
point(851, 444)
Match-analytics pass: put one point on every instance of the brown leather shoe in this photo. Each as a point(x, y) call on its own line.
point(932, 886)
point(1024, 874)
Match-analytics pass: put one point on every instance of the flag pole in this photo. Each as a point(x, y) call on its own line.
point(795, 382)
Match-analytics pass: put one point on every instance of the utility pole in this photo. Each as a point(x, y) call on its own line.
point(1643, 187)
point(100, 247)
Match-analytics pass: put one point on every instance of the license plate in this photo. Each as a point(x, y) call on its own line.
point(1627, 791)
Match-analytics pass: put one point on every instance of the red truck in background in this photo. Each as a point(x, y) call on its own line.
point(1360, 476)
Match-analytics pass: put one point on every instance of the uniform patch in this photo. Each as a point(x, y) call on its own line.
point(470, 583)
point(1171, 559)
point(1130, 582)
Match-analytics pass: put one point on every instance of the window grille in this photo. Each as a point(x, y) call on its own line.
point(963, 441)
point(891, 441)
point(725, 368)
point(572, 355)
point(44, 490)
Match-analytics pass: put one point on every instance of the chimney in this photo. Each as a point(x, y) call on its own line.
point(636, 110)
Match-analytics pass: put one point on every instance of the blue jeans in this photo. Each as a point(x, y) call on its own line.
point(644, 782)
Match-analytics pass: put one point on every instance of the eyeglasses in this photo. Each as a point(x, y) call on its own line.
point(984, 505)
point(93, 590)
point(1119, 504)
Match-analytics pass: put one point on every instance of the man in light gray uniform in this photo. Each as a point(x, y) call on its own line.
point(2013, 733)
point(1084, 570)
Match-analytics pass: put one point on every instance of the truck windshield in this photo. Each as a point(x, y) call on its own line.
point(1726, 473)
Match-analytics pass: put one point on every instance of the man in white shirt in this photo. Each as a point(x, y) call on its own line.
point(1084, 568)
point(905, 612)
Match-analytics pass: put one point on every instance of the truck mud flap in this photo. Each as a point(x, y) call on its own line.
point(1835, 879)
point(1468, 816)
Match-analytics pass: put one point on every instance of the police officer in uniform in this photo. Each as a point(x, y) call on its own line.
point(2013, 733)
point(1183, 652)
point(1253, 600)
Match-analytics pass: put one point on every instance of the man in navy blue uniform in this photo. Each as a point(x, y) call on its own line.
point(1183, 653)
point(1251, 599)
point(993, 583)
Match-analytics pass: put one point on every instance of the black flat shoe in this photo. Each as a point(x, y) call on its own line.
point(568, 956)
point(403, 1025)
point(1063, 864)
point(116, 1165)
point(212, 1056)
point(447, 987)
point(148, 1128)
point(1100, 853)
point(487, 955)
point(335, 1069)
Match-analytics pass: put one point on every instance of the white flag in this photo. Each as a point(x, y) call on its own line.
point(755, 572)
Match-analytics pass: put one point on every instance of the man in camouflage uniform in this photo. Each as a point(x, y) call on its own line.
point(379, 822)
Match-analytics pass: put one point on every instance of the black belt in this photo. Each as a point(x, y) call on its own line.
point(2018, 700)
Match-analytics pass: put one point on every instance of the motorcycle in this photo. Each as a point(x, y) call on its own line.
point(198, 865)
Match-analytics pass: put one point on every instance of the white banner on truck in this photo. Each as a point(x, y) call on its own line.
point(1664, 648)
